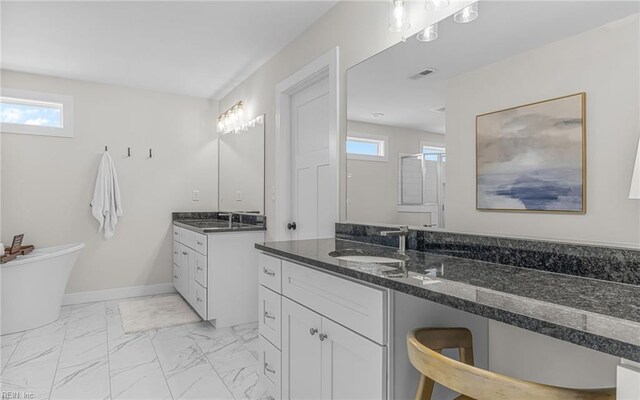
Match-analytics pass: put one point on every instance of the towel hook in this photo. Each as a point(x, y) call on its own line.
point(128, 151)
point(106, 148)
point(150, 154)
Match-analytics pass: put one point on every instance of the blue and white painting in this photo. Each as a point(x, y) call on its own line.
point(531, 158)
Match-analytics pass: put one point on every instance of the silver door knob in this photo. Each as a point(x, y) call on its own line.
point(313, 331)
point(322, 337)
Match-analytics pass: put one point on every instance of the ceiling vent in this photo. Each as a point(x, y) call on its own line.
point(422, 74)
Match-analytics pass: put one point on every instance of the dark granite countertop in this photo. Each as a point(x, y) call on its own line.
point(207, 226)
point(597, 314)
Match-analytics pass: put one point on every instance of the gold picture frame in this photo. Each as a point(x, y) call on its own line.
point(532, 157)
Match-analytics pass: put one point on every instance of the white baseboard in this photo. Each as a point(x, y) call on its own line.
point(119, 293)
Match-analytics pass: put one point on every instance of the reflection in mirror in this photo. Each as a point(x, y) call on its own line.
point(411, 109)
point(241, 169)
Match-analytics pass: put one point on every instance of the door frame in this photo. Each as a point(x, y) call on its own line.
point(325, 66)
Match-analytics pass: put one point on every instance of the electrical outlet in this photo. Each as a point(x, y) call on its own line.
point(195, 195)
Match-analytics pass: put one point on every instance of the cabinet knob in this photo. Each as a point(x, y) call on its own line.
point(175, 276)
point(184, 253)
point(267, 315)
point(199, 299)
point(313, 331)
point(199, 268)
point(199, 243)
point(322, 337)
point(291, 226)
point(268, 369)
point(268, 272)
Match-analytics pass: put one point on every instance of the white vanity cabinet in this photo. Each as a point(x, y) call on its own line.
point(215, 273)
point(330, 332)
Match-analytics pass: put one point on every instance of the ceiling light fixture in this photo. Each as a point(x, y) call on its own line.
point(467, 14)
point(398, 19)
point(436, 5)
point(429, 33)
point(234, 120)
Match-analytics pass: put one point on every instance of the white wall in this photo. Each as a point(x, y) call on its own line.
point(367, 180)
point(48, 182)
point(604, 64)
point(360, 29)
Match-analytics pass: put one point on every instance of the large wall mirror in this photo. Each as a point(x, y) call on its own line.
point(411, 111)
point(241, 169)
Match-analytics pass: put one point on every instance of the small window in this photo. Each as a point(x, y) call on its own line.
point(36, 113)
point(367, 147)
point(432, 153)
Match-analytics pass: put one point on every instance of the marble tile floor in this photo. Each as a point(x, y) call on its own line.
point(86, 355)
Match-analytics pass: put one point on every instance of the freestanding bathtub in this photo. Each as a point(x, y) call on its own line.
point(33, 286)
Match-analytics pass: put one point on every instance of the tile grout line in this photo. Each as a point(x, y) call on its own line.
point(214, 368)
point(160, 364)
point(106, 330)
point(12, 353)
point(64, 339)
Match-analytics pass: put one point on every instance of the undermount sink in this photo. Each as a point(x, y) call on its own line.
point(356, 255)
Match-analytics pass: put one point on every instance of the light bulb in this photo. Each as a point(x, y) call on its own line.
point(428, 34)
point(467, 14)
point(398, 18)
point(435, 5)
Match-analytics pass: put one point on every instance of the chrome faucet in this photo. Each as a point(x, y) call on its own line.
point(230, 215)
point(402, 234)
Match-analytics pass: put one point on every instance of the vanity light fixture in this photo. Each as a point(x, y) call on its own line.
point(467, 14)
point(232, 120)
point(436, 5)
point(398, 18)
point(429, 33)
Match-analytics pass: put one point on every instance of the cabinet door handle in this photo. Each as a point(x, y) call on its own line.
point(313, 331)
point(175, 276)
point(175, 252)
point(268, 272)
point(266, 368)
point(267, 315)
point(184, 253)
point(199, 243)
point(199, 268)
point(199, 299)
point(322, 337)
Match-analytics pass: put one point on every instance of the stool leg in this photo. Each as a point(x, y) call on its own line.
point(425, 388)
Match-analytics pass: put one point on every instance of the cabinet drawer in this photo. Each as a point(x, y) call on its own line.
point(176, 252)
point(361, 308)
point(270, 315)
point(270, 271)
point(187, 237)
point(200, 273)
point(177, 278)
point(198, 298)
point(200, 242)
point(269, 368)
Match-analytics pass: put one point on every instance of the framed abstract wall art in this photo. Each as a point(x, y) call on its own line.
point(532, 158)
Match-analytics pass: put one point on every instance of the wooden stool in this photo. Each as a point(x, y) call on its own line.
point(425, 346)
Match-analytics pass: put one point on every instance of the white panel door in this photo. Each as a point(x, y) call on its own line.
point(353, 367)
point(313, 184)
point(301, 352)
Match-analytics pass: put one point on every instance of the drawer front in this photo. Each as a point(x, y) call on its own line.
point(176, 233)
point(269, 368)
point(200, 242)
point(176, 252)
point(187, 237)
point(177, 278)
point(270, 315)
point(270, 270)
point(361, 308)
point(198, 299)
point(200, 272)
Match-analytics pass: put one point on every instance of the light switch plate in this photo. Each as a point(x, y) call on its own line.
point(195, 195)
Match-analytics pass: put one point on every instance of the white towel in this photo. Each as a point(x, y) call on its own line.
point(106, 205)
